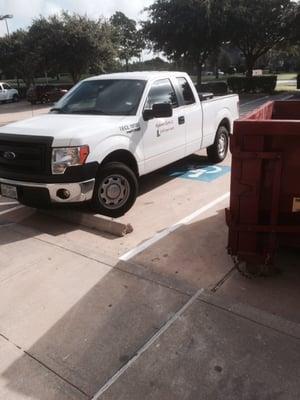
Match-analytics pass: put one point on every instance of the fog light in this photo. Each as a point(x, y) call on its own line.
point(63, 194)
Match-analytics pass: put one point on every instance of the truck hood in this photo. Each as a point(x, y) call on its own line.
point(70, 129)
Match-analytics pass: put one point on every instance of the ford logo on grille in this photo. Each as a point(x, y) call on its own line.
point(9, 155)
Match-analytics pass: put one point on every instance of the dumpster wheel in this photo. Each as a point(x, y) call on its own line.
point(251, 270)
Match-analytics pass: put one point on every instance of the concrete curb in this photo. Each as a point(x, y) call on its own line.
point(91, 221)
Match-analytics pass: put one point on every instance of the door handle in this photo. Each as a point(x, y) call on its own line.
point(181, 120)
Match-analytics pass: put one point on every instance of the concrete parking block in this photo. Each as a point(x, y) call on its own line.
point(30, 380)
point(210, 354)
point(92, 221)
point(80, 318)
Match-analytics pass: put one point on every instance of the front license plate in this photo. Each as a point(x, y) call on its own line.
point(9, 191)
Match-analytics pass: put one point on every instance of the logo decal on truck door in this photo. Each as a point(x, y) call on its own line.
point(9, 155)
point(164, 127)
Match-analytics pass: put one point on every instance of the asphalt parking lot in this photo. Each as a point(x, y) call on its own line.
point(160, 313)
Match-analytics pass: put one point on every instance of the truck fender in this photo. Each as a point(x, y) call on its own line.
point(114, 144)
point(224, 117)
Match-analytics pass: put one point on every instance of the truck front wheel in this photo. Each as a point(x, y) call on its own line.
point(115, 190)
point(218, 151)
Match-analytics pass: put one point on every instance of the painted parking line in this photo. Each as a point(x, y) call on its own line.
point(158, 236)
point(8, 203)
point(11, 209)
point(254, 101)
point(248, 107)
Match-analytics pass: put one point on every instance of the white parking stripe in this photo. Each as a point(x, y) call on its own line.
point(254, 101)
point(11, 209)
point(127, 256)
point(8, 203)
point(285, 97)
point(146, 346)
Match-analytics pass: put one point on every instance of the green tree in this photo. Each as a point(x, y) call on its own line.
point(84, 44)
point(130, 41)
point(45, 38)
point(185, 29)
point(17, 59)
point(256, 26)
point(61, 43)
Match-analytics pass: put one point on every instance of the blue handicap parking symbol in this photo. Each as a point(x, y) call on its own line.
point(206, 173)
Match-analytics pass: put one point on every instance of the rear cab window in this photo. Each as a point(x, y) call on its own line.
point(186, 91)
point(161, 91)
point(6, 86)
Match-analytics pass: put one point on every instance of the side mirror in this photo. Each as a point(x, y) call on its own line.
point(160, 110)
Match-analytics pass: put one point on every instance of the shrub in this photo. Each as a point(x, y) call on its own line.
point(256, 84)
point(213, 87)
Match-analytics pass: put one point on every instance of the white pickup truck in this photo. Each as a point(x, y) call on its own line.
point(7, 93)
point(107, 132)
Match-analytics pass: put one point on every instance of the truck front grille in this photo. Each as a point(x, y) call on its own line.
point(25, 154)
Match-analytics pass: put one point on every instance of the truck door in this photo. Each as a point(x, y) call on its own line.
point(163, 138)
point(192, 111)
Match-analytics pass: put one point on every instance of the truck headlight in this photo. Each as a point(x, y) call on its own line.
point(64, 157)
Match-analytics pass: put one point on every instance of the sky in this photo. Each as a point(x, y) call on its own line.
point(24, 11)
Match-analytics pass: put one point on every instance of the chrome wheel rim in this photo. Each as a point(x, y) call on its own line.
point(114, 191)
point(222, 145)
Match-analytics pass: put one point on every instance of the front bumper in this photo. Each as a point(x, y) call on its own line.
point(43, 194)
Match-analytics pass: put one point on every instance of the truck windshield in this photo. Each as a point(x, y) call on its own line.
point(103, 97)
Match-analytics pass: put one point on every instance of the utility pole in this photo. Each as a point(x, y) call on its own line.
point(5, 18)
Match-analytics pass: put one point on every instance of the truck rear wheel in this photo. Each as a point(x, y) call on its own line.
point(115, 190)
point(218, 151)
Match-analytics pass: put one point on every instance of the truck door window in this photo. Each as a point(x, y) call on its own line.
point(161, 91)
point(186, 91)
point(5, 86)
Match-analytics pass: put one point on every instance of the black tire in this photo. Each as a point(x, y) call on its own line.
point(15, 98)
point(218, 151)
point(118, 177)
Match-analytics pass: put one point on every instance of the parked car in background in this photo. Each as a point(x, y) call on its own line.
point(7, 93)
point(45, 94)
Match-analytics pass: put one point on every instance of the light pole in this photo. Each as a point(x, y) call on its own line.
point(5, 18)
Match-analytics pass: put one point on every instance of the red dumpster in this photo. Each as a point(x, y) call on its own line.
point(264, 208)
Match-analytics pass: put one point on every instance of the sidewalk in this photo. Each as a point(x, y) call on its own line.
point(74, 326)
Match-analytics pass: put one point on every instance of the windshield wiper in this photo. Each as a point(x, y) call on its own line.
point(88, 111)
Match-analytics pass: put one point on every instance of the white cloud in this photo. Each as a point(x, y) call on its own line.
point(26, 10)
